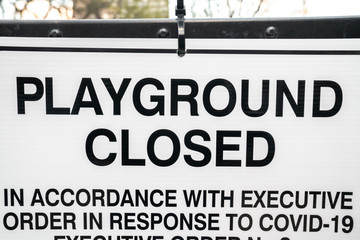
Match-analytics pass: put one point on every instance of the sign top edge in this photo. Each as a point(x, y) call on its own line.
point(254, 28)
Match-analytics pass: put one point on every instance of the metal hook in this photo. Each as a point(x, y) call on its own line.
point(180, 13)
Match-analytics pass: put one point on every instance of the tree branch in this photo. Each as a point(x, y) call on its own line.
point(258, 8)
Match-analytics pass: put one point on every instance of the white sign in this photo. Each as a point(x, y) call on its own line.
point(121, 139)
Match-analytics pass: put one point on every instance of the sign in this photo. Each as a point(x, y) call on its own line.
point(121, 139)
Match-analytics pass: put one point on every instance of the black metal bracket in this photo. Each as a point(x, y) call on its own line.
point(232, 28)
point(180, 13)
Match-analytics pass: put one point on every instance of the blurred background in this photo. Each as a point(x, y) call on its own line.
point(120, 9)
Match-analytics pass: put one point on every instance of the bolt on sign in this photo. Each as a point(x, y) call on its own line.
point(122, 139)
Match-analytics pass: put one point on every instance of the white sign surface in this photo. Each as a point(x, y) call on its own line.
point(122, 139)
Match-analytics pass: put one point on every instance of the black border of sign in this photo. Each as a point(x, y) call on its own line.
point(189, 51)
point(252, 28)
point(258, 28)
